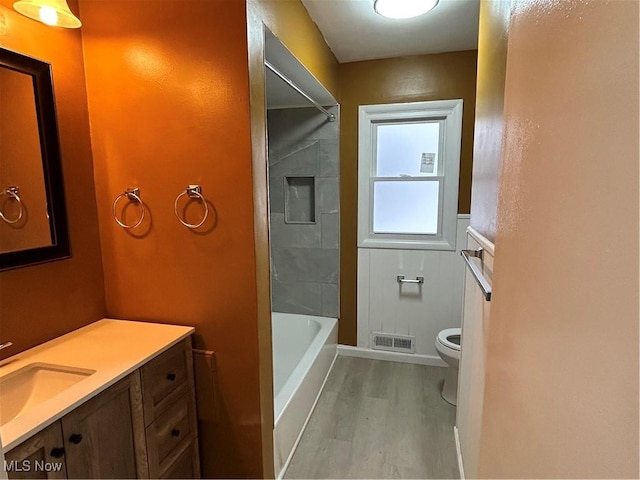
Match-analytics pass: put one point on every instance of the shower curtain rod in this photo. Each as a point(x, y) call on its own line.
point(330, 116)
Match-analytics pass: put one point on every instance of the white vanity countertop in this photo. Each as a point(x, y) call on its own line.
point(113, 348)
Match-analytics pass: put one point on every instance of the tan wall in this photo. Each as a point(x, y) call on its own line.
point(21, 165)
point(169, 106)
point(38, 303)
point(289, 21)
point(492, 61)
point(561, 392)
point(395, 80)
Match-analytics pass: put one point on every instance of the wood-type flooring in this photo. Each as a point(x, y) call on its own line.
point(378, 419)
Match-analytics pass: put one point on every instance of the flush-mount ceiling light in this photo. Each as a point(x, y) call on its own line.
point(403, 8)
point(51, 12)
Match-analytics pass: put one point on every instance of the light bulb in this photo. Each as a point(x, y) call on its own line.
point(50, 12)
point(403, 8)
point(48, 15)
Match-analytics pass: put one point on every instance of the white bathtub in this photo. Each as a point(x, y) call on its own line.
point(304, 348)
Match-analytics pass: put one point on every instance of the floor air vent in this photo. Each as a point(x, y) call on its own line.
point(393, 343)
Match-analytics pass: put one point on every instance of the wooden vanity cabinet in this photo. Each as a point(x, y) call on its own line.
point(102, 438)
point(41, 456)
point(144, 426)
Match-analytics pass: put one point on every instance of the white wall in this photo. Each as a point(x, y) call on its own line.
point(423, 312)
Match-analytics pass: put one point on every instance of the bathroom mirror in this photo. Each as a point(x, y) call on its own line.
point(33, 222)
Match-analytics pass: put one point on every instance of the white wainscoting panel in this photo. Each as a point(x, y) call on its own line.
point(475, 325)
point(386, 306)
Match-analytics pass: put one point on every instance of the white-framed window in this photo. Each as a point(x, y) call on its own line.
point(408, 170)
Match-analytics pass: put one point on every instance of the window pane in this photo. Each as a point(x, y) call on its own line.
point(405, 207)
point(401, 147)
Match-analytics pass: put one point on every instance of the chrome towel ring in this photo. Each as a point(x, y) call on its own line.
point(133, 195)
point(192, 191)
point(13, 192)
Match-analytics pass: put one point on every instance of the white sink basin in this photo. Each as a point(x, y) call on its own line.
point(33, 384)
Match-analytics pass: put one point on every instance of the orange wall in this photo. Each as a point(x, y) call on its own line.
point(38, 303)
point(394, 80)
point(492, 58)
point(21, 165)
point(169, 106)
point(561, 391)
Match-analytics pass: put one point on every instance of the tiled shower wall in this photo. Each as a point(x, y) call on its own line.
point(304, 256)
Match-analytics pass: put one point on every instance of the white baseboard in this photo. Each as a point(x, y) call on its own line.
point(349, 351)
point(458, 452)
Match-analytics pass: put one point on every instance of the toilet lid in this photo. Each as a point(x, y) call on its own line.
point(450, 338)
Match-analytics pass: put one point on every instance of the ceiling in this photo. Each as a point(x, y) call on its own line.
point(280, 94)
point(354, 32)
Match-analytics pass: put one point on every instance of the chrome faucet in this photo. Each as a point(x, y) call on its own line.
point(5, 345)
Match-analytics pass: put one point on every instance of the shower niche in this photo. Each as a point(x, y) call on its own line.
point(300, 200)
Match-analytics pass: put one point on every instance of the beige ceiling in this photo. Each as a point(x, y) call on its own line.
point(355, 32)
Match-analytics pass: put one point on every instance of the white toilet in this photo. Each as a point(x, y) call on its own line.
point(448, 347)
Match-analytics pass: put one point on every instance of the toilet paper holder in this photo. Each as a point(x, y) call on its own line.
point(419, 280)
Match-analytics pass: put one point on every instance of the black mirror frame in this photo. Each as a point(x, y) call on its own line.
point(51, 164)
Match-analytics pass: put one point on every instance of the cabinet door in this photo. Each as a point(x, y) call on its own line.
point(42, 456)
point(104, 438)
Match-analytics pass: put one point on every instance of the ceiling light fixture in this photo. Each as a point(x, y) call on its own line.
point(403, 8)
point(50, 12)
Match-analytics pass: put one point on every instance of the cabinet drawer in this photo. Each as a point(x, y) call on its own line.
point(166, 378)
point(171, 433)
point(187, 465)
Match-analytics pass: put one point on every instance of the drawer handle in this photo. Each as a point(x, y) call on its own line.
point(175, 432)
point(57, 452)
point(171, 377)
point(75, 438)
